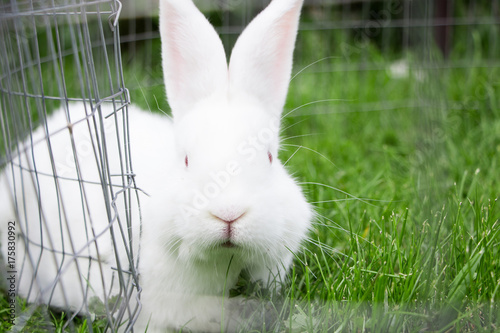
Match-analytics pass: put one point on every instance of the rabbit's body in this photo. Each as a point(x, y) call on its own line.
point(60, 225)
point(218, 201)
point(239, 178)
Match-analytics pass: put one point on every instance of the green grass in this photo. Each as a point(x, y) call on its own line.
point(415, 245)
point(404, 177)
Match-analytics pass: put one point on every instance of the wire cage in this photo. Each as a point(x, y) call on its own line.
point(53, 53)
point(62, 59)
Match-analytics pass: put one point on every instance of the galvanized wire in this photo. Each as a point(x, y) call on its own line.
point(405, 30)
point(53, 53)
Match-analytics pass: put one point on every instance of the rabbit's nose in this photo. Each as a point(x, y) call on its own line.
point(228, 215)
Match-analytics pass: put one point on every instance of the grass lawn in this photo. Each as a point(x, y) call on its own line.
point(404, 173)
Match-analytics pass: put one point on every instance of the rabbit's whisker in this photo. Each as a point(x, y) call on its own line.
point(292, 125)
point(328, 100)
point(295, 152)
point(299, 136)
point(342, 229)
point(314, 151)
point(311, 64)
point(338, 190)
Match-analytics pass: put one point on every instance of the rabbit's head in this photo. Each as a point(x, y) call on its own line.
point(232, 194)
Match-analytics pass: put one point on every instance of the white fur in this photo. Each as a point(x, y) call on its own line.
point(227, 124)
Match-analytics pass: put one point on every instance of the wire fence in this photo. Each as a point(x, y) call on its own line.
point(413, 37)
point(53, 53)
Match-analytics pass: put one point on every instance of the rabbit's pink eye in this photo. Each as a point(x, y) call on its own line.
point(270, 156)
point(186, 161)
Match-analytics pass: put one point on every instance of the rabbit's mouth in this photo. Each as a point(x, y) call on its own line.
point(228, 244)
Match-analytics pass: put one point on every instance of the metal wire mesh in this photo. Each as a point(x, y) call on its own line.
point(52, 54)
point(412, 37)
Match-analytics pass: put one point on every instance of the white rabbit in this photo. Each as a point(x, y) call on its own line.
point(219, 200)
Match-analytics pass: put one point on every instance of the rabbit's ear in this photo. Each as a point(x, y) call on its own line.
point(261, 61)
point(194, 62)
